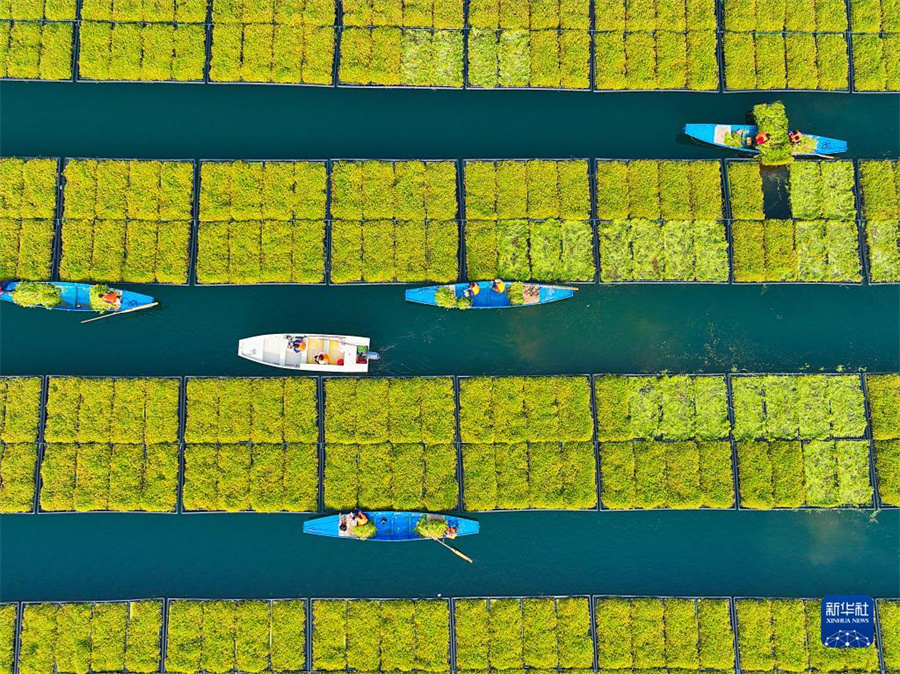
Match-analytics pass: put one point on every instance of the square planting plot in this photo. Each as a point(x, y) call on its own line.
point(285, 42)
point(529, 220)
point(244, 636)
point(745, 190)
point(654, 474)
point(126, 220)
point(784, 635)
point(381, 636)
point(20, 400)
point(813, 251)
point(525, 409)
point(875, 25)
point(534, 633)
point(265, 410)
point(884, 405)
point(880, 184)
point(529, 475)
point(529, 44)
point(822, 190)
point(668, 634)
point(889, 618)
point(118, 636)
point(681, 407)
point(35, 49)
point(27, 213)
point(8, 618)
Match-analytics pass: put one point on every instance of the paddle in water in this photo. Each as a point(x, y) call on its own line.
point(119, 313)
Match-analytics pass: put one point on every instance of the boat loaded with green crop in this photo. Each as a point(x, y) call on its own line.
point(20, 413)
point(27, 213)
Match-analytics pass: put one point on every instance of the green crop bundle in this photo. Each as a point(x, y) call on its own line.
point(771, 118)
point(645, 633)
point(36, 50)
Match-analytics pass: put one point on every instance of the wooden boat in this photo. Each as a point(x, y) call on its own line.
point(390, 526)
point(298, 351)
point(738, 137)
point(532, 294)
point(77, 296)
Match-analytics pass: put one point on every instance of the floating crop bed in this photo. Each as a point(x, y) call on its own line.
point(9, 618)
point(20, 416)
point(36, 40)
point(656, 44)
point(281, 42)
point(119, 636)
point(875, 28)
point(126, 220)
point(822, 190)
point(236, 636)
point(537, 633)
point(684, 634)
point(27, 216)
point(889, 628)
point(745, 191)
point(880, 210)
point(375, 635)
point(884, 406)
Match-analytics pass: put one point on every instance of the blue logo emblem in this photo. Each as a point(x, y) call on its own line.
point(848, 621)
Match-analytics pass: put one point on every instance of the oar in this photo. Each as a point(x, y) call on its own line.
point(454, 550)
point(119, 313)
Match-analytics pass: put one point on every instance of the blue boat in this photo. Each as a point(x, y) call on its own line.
point(531, 295)
point(739, 137)
point(390, 526)
point(77, 296)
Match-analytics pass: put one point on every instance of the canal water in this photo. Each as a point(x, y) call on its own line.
point(636, 328)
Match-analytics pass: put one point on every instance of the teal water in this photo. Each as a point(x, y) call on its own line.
point(604, 329)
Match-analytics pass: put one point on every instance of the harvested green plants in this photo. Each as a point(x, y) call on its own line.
point(771, 119)
point(282, 42)
point(118, 636)
point(381, 636)
point(529, 475)
point(395, 56)
point(798, 407)
point(535, 633)
point(822, 190)
point(680, 407)
point(36, 294)
point(664, 633)
point(529, 45)
point(266, 410)
point(36, 50)
point(391, 476)
point(259, 477)
point(525, 409)
point(245, 636)
point(20, 399)
point(654, 474)
point(784, 635)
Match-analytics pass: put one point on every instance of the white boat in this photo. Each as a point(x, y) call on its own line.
point(316, 353)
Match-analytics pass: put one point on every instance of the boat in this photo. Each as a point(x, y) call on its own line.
point(452, 296)
point(339, 354)
point(390, 525)
point(738, 137)
point(66, 296)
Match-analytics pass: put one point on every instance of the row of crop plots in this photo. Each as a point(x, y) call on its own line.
point(409, 221)
point(306, 444)
point(576, 634)
point(599, 45)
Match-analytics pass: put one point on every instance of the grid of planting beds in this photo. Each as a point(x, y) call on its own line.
point(786, 45)
point(785, 635)
point(390, 444)
point(36, 40)
point(529, 220)
point(656, 633)
point(394, 221)
point(527, 443)
point(413, 43)
point(661, 221)
point(372, 635)
point(537, 633)
point(283, 42)
point(164, 40)
point(116, 636)
point(262, 222)
point(251, 444)
point(801, 441)
point(529, 44)
point(112, 444)
point(126, 220)
point(875, 28)
point(27, 217)
point(884, 407)
point(879, 183)
point(655, 44)
point(20, 415)
point(236, 636)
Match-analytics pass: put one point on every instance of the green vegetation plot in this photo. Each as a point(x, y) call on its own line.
point(880, 205)
point(876, 45)
point(822, 190)
point(8, 618)
point(27, 210)
point(884, 405)
point(35, 49)
point(20, 399)
point(889, 618)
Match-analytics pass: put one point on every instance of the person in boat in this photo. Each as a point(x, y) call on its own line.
point(498, 286)
point(450, 532)
point(359, 517)
point(321, 358)
point(298, 345)
point(472, 290)
point(795, 136)
point(761, 139)
point(112, 298)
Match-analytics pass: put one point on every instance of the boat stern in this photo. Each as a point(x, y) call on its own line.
point(426, 295)
point(323, 526)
